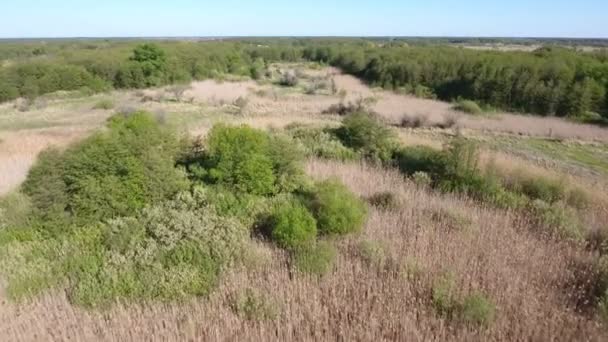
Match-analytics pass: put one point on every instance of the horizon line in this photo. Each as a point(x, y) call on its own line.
point(304, 36)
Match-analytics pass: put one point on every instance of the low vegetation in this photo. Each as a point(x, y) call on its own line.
point(135, 213)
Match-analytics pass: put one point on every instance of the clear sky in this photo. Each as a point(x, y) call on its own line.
point(117, 18)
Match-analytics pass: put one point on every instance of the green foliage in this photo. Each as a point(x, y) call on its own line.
point(293, 226)
point(542, 188)
point(468, 106)
point(337, 210)
point(253, 306)
point(421, 179)
point(373, 253)
point(415, 159)
point(556, 82)
point(474, 309)
point(319, 142)
point(477, 309)
point(15, 209)
point(250, 161)
point(558, 220)
point(444, 296)
point(46, 187)
point(366, 134)
point(152, 61)
point(316, 260)
point(170, 251)
point(112, 173)
point(246, 208)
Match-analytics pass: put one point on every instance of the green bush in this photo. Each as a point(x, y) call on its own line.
point(558, 219)
point(113, 173)
point(253, 306)
point(467, 106)
point(170, 251)
point(246, 208)
point(15, 209)
point(46, 187)
point(543, 188)
point(287, 158)
point(317, 260)
point(373, 253)
point(293, 226)
point(321, 143)
point(422, 179)
point(250, 160)
point(443, 296)
point(415, 159)
point(477, 309)
point(366, 134)
point(337, 210)
point(474, 308)
point(578, 198)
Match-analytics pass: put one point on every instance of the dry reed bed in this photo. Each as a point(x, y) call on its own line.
point(529, 278)
point(393, 107)
point(18, 151)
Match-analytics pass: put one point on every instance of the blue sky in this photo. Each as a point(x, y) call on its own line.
point(111, 18)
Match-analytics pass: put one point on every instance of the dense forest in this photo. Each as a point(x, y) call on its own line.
point(548, 81)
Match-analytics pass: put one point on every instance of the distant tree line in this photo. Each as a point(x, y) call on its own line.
point(549, 81)
point(35, 71)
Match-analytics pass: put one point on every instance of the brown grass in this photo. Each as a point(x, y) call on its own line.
point(393, 107)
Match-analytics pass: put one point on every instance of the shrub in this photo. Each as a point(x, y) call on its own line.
point(317, 260)
point(105, 104)
point(558, 219)
point(246, 208)
point(289, 79)
point(240, 157)
point(364, 133)
point(287, 158)
point(253, 306)
point(14, 210)
point(110, 174)
point(420, 159)
point(444, 296)
point(467, 106)
point(373, 253)
point(384, 200)
point(541, 188)
point(424, 92)
point(250, 161)
point(578, 198)
point(338, 211)
point(293, 226)
point(477, 309)
point(170, 251)
point(318, 142)
point(422, 179)
point(45, 185)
